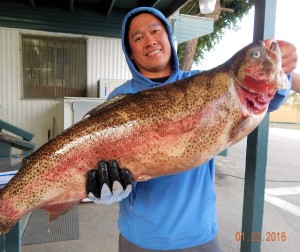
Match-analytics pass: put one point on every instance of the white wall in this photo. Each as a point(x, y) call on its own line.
point(105, 60)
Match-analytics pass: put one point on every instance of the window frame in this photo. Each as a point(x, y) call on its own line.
point(68, 51)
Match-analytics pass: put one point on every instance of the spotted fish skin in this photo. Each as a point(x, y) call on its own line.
point(152, 133)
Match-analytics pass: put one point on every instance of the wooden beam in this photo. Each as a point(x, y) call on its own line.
point(71, 6)
point(174, 7)
point(110, 7)
point(32, 3)
point(153, 3)
point(257, 147)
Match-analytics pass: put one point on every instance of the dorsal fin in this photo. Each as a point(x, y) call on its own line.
point(25, 161)
point(106, 104)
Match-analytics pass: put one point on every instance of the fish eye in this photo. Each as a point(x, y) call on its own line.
point(255, 54)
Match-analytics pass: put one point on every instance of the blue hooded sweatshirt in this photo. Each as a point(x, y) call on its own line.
point(170, 212)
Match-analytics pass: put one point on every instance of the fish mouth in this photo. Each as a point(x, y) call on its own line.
point(281, 81)
point(265, 74)
point(261, 79)
point(255, 103)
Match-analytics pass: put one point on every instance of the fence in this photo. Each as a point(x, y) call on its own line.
point(289, 112)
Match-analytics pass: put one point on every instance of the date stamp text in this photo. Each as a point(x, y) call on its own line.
point(261, 237)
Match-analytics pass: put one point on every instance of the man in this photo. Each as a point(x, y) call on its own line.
point(170, 213)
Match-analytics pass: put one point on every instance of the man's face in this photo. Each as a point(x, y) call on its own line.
point(150, 46)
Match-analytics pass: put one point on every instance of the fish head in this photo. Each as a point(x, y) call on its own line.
point(258, 74)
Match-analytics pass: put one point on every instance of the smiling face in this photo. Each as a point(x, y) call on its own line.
point(150, 46)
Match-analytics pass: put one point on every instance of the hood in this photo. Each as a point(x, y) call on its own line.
point(174, 59)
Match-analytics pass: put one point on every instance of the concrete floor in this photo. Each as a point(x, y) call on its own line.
point(99, 233)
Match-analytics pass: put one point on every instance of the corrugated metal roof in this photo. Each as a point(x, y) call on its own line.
point(87, 17)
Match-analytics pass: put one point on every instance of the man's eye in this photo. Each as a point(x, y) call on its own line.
point(138, 39)
point(155, 31)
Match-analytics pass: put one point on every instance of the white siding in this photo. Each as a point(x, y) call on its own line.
point(105, 60)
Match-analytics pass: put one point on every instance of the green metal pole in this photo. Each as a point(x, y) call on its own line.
point(13, 239)
point(256, 161)
point(11, 242)
point(257, 147)
point(2, 242)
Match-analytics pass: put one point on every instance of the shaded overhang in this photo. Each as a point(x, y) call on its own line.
point(85, 17)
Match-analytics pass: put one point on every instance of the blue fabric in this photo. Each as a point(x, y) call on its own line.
point(279, 98)
point(170, 212)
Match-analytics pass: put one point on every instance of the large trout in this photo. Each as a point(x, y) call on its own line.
point(156, 132)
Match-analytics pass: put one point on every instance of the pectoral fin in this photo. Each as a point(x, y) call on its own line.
point(58, 209)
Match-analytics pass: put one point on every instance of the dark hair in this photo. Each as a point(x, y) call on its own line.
point(128, 22)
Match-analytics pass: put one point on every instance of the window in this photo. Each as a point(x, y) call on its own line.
point(54, 67)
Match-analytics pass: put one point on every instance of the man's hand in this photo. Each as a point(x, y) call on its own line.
point(109, 183)
point(289, 55)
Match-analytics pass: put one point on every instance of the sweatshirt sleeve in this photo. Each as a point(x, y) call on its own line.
point(279, 98)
